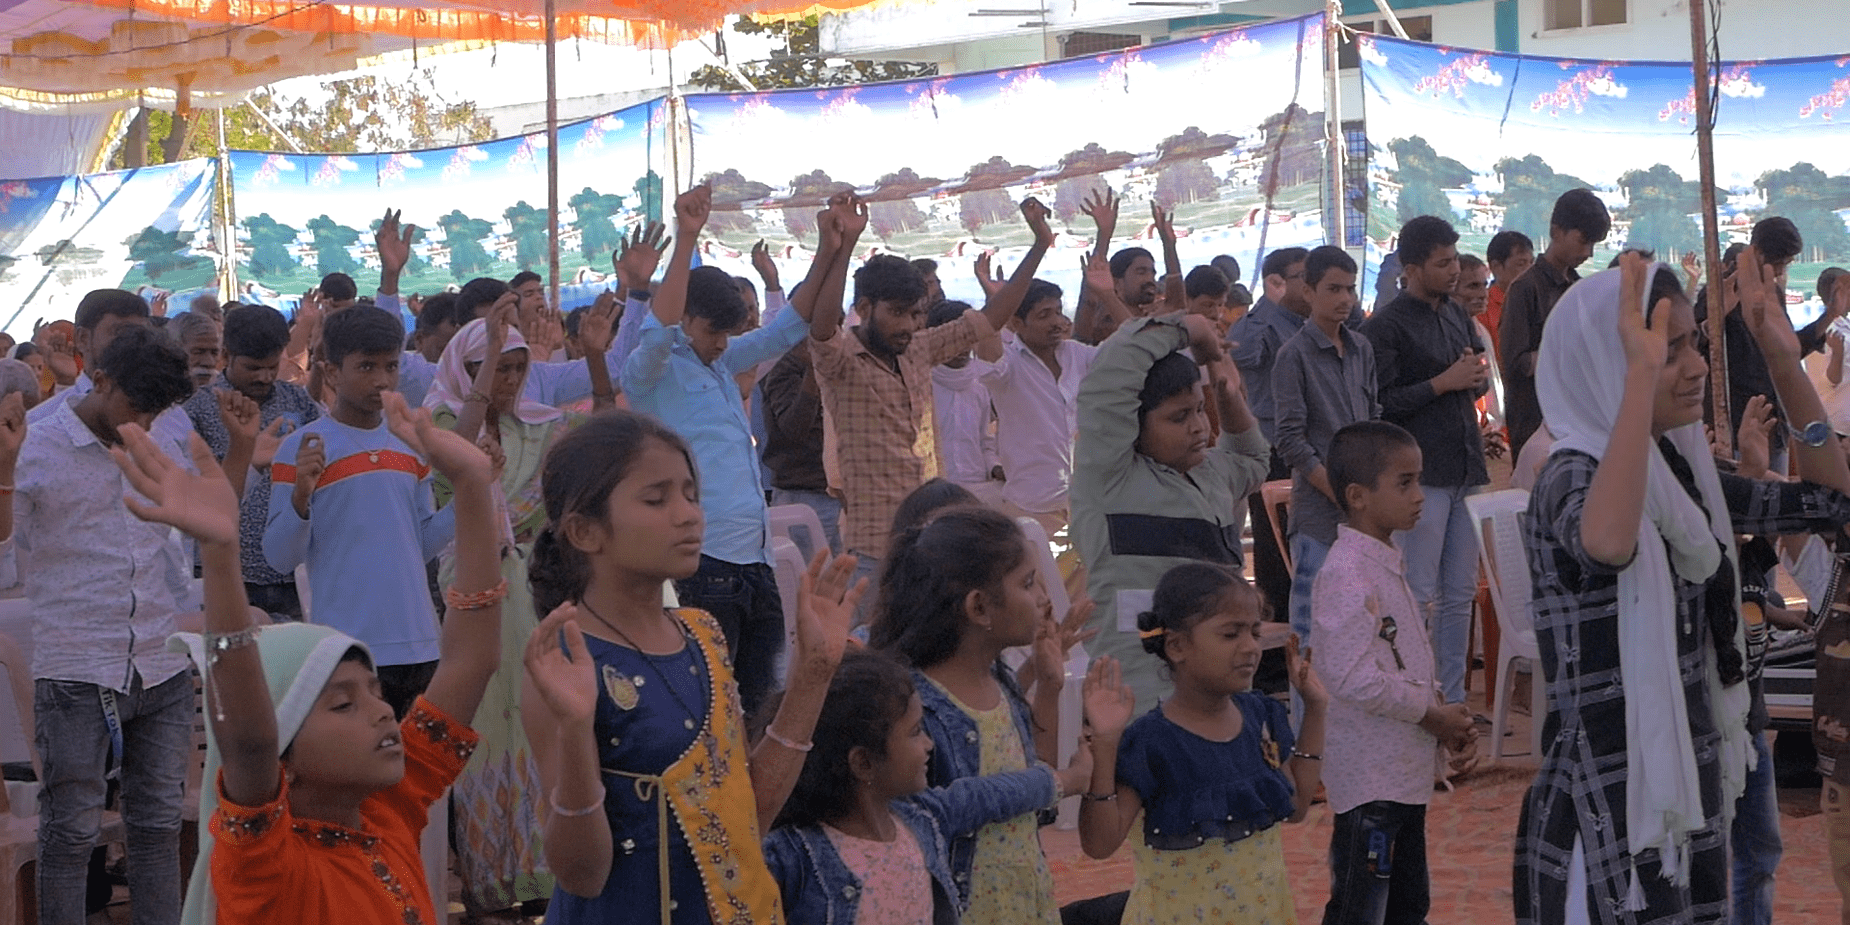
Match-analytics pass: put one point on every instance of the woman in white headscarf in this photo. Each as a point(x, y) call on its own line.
point(479, 392)
point(1630, 539)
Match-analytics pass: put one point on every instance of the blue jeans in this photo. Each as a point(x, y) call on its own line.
point(828, 510)
point(1307, 555)
point(74, 744)
point(744, 599)
point(1378, 870)
point(1755, 843)
point(865, 567)
point(1441, 557)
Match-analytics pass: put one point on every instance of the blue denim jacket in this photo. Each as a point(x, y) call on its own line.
point(817, 887)
point(957, 753)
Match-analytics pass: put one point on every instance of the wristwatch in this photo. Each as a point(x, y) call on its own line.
point(1815, 434)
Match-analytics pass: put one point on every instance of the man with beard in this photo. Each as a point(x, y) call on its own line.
point(875, 380)
point(255, 336)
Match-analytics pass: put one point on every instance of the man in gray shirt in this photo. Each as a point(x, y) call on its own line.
point(1322, 380)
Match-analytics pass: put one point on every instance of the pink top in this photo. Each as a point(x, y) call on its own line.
point(895, 886)
point(1374, 748)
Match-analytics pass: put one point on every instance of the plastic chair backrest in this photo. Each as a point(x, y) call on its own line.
point(1049, 569)
point(785, 516)
point(1277, 497)
point(787, 566)
point(1497, 520)
point(19, 682)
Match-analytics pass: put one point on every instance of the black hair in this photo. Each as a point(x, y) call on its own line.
point(1359, 454)
point(1169, 376)
point(886, 278)
point(924, 502)
point(1827, 282)
point(930, 570)
point(869, 694)
point(1205, 280)
point(255, 331)
point(438, 309)
point(1580, 210)
point(24, 348)
point(1122, 260)
point(1777, 238)
point(1278, 262)
point(1506, 244)
point(945, 312)
point(1238, 294)
point(1039, 291)
point(1469, 262)
point(713, 297)
point(522, 278)
point(359, 330)
point(100, 303)
point(573, 318)
point(1228, 265)
point(148, 368)
point(1323, 260)
point(1666, 284)
point(339, 287)
point(475, 294)
point(925, 265)
point(745, 285)
point(1186, 595)
point(576, 479)
point(1422, 235)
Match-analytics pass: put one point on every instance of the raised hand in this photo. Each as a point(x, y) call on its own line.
point(459, 460)
point(311, 458)
point(61, 357)
point(505, 313)
point(1102, 207)
point(1037, 214)
point(1165, 222)
point(561, 668)
point(157, 306)
point(1109, 701)
point(597, 327)
point(991, 281)
point(1646, 345)
point(766, 267)
point(1763, 305)
point(1692, 270)
point(269, 439)
point(1302, 676)
point(200, 504)
point(642, 251)
point(1753, 439)
point(691, 210)
point(1096, 271)
point(825, 610)
point(240, 415)
point(12, 431)
point(394, 244)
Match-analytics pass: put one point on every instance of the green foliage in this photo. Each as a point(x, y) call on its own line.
point(1530, 188)
point(598, 231)
point(463, 236)
point(1810, 197)
point(648, 189)
point(331, 240)
point(1659, 203)
point(165, 255)
point(801, 63)
point(269, 243)
point(528, 228)
point(1424, 175)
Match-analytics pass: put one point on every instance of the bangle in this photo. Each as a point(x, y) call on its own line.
point(218, 644)
point(771, 733)
point(475, 600)
point(475, 396)
point(7, 490)
point(577, 813)
point(1099, 797)
point(1307, 756)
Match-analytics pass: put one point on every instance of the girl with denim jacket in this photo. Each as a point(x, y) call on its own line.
point(862, 839)
point(956, 592)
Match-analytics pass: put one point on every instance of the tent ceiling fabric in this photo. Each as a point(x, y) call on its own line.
point(94, 51)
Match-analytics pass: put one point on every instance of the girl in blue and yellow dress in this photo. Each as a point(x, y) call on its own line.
point(652, 803)
point(1212, 770)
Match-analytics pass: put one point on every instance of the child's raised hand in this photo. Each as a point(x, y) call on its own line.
point(561, 668)
point(459, 460)
point(1076, 777)
point(311, 457)
point(825, 609)
point(1302, 676)
point(1109, 701)
point(200, 504)
point(12, 429)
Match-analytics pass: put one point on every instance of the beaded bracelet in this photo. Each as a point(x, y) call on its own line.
point(475, 600)
point(1307, 756)
point(577, 813)
point(218, 644)
point(1099, 797)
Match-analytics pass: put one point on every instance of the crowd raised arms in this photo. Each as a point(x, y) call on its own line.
point(520, 567)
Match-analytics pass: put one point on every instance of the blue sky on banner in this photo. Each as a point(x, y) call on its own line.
point(301, 216)
point(147, 229)
point(1625, 128)
point(1181, 121)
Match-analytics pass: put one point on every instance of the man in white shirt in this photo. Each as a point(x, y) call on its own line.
point(962, 413)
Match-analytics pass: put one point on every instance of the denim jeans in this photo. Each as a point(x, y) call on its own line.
point(744, 599)
point(1755, 843)
point(1378, 866)
point(1441, 557)
point(865, 567)
point(1307, 555)
point(74, 743)
point(828, 510)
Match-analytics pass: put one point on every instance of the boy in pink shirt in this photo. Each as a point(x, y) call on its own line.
point(1386, 720)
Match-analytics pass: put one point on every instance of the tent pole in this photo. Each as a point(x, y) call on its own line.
point(1702, 84)
point(1333, 123)
point(552, 160)
point(228, 233)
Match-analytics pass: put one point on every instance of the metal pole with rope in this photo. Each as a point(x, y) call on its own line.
point(552, 161)
point(1702, 87)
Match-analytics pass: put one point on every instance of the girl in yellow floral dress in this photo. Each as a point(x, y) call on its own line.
point(1213, 769)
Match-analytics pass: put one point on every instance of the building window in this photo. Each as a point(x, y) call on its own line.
point(1086, 44)
point(1575, 14)
point(1419, 29)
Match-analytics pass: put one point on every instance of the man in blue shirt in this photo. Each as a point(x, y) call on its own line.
point(682, 371)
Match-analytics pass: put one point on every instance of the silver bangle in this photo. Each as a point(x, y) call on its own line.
point(217, 644)
point(577, 813)
point(771, 734)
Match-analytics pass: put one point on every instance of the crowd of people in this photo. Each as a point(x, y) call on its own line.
point(526, 558)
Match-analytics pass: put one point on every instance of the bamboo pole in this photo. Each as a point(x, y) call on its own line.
point(1720, 420)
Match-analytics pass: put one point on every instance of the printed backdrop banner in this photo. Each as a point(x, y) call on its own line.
point(147, 229)
point(1489, 141)
point(480, 209)
point(1198, 125)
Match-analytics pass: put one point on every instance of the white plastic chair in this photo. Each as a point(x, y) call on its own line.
point(787, 565)
point(1496, 517)
point(1072, 694)
point(785, 516)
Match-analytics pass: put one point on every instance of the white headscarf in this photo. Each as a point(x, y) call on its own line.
point(452, 383)
point(1580, 378)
